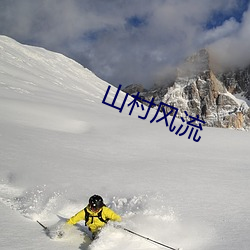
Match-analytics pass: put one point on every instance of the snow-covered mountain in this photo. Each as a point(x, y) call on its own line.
point(219, 98)
point(60, 144)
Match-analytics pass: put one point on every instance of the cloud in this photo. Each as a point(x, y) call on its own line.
point(123, 41)
point(233, 49)
point(228, 28)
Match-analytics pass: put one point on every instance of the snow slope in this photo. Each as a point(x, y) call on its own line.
point(60, 144)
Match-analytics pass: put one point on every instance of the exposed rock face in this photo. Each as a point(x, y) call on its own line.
point(134, 88)
point(199, 91)
point(156, 92)
point(237, 81)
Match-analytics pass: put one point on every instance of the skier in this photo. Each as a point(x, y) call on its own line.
point(95, 214)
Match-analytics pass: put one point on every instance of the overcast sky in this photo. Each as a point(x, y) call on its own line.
point(131, 41)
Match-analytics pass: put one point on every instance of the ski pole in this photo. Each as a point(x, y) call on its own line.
point(146, 238)
point(45, 228)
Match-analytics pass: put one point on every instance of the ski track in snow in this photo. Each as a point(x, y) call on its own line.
point(42, 116)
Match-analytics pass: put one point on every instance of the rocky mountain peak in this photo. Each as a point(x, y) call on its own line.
point(199, 91)
point(197, 64)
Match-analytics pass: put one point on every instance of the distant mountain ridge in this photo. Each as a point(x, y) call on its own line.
point(219, 98)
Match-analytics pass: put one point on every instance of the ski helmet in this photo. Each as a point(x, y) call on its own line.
point(95, 202)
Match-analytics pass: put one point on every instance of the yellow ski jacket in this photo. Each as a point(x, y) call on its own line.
point(94, 223)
